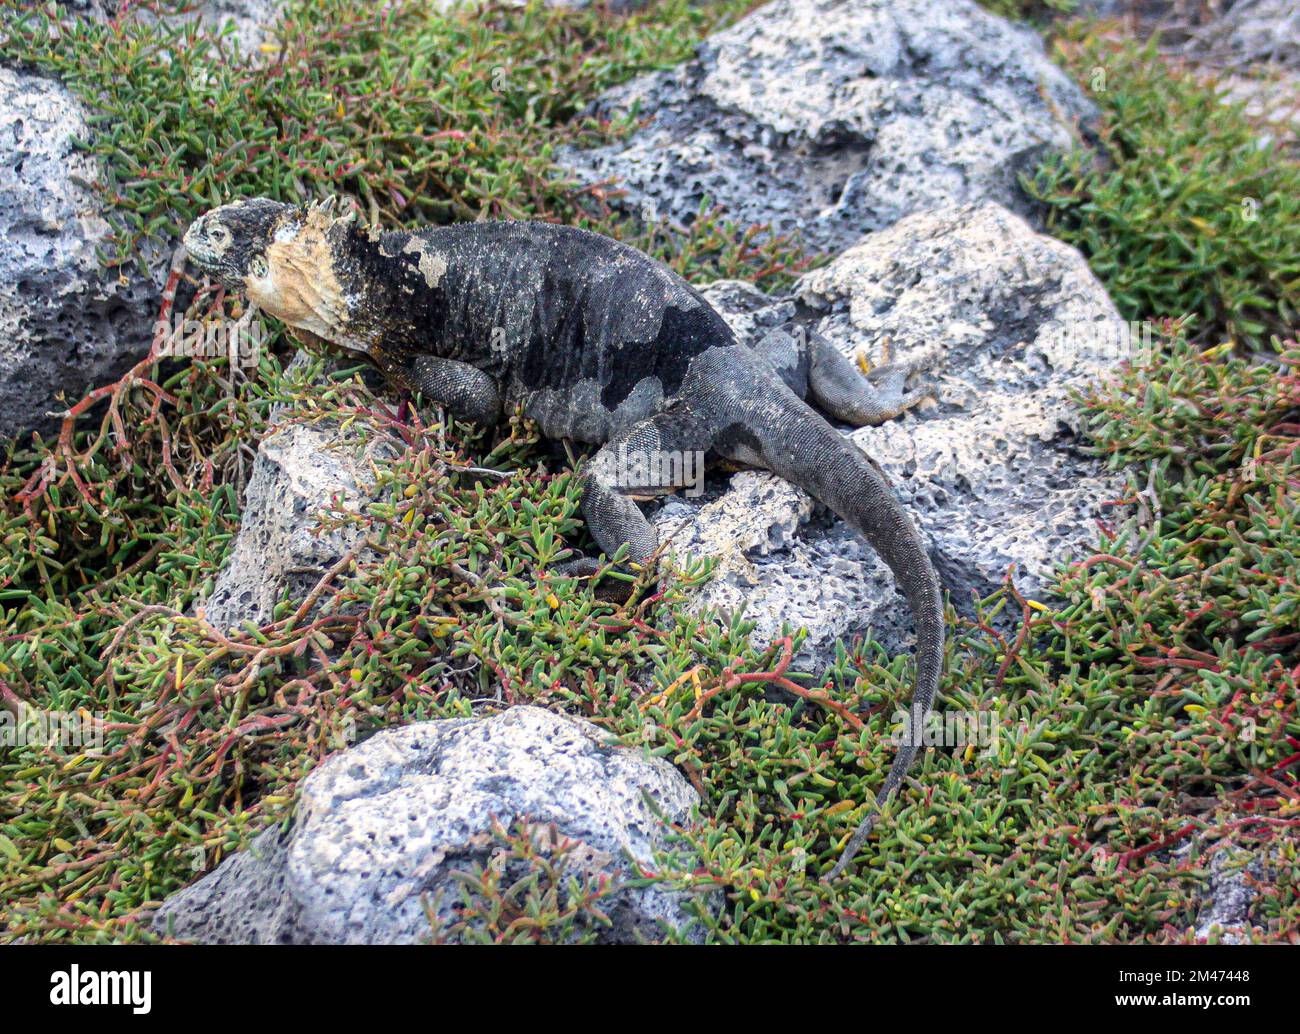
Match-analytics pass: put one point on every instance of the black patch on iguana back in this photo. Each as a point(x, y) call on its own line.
point(683, 334)
point(617, 326)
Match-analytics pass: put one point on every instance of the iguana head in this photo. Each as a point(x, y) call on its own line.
point(283, 257)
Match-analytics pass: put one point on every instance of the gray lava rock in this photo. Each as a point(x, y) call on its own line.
point(1253, 53)
point(835, 117)
point(302, 472)
point(992, 470)
point(65, 325)
point(1226, 904)
point(1250, 32)
point(245, 19)
point(757, 514)
point(1241, 875)
point(381, 828)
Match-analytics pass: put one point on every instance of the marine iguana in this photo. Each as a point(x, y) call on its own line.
point(597, 343)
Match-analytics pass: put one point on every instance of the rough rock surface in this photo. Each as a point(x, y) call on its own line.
point(835, 117)
point(246, 19)
point(755, 513)
point(303, 472)
point(64, 324)
point(1249, 48)
point(1249, 32)
point(1240, 877)
point(1231, 34)
point(381, 828)
point(1226, 905)
point(1254, 51)
point(991, 469)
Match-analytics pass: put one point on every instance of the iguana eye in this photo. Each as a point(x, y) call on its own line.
point(257, 267)
point(220, 236)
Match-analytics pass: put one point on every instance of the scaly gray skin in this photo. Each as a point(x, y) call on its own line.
point(596, 342)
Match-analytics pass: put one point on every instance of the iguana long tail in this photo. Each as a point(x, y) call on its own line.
point(796, 443)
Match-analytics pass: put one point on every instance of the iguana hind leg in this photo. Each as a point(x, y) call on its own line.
point(813, 368)
point(838, 386)
point(785, 350)
point(649, 458)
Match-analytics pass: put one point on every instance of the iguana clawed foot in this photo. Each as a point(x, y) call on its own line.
point(856, 393)
point(889, 380)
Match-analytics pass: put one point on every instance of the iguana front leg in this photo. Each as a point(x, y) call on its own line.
point(467, 392)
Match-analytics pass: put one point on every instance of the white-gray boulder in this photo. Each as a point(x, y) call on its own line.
point(835, 117)
point(382, 828)
point(992, 470)
point(1249, 32)
point(66, 325)
point(1227, 902)
point(246, 21)
point(307, 476)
